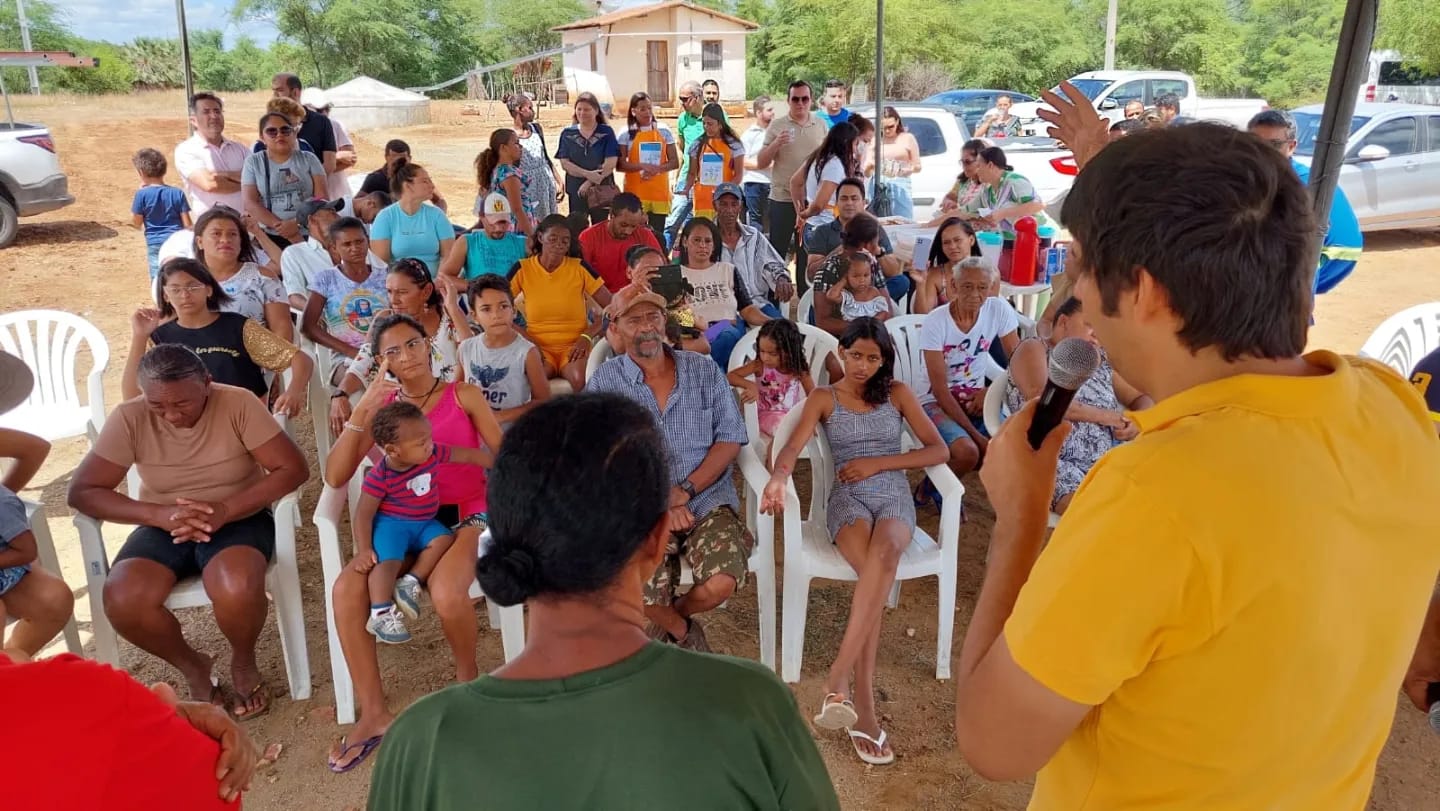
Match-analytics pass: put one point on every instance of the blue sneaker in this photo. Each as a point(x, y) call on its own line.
point(407, 596)
point(388, 627)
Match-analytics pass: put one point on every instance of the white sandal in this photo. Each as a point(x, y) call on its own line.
point(836, 714)
point(878, 743)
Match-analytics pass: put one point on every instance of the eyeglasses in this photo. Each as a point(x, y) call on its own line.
point(1278, 143)
point(412, 345)
point(274, 131)
point(799, 99)
point(178, 290)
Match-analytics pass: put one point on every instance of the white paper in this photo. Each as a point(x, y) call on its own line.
point(651, 152)
point(712, 169)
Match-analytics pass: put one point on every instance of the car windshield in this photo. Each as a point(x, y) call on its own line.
point(1308, 124)
point(1090, 87)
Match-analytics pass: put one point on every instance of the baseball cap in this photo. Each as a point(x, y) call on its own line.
point(496, 207)
point(729, 188)
point(631, 296)
point(17, 381)
point(308, 208)
point(314, 98)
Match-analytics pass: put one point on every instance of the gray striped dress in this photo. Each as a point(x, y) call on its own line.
point(859, 435)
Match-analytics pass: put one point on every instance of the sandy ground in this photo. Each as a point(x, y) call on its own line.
point(87, 259)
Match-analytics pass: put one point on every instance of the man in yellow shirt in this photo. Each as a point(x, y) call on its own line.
point(1223, 616)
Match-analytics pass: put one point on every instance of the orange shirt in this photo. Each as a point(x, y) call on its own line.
point(716, 158)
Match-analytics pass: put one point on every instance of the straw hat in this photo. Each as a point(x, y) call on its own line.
point(16, 381)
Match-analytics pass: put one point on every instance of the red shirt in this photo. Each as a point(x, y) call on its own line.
point(86, 737)
point(606, 254)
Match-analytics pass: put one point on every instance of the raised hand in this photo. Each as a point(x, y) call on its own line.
point(1075, 122)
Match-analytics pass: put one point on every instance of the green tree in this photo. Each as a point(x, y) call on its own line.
point(1198, 37)
point(1412, 27)
point(48, 32)
point(156, 62)
point(1038, 43)
point(1289, 48)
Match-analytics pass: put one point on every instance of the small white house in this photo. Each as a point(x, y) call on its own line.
point(656, 47)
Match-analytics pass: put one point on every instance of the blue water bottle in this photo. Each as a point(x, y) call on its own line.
point(1052, 264)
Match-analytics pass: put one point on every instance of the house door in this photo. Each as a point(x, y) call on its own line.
point(657, 69)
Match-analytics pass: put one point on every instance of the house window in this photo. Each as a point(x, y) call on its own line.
point(711, 57)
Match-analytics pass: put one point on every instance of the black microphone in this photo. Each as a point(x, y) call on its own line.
point(1072, 361)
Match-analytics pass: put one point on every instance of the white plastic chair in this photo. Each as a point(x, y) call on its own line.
point(49, 341)
point(1405, 337)
point(995, 414)
point(805, 309)
point(601, 353)
point(819, 344)
point(45, 552)
point(282, 584)
point(510, 620)
point(811, 553)
point(318, 393)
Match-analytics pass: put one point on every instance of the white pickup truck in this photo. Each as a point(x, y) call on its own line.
point(31, 181)
point(1111, 90)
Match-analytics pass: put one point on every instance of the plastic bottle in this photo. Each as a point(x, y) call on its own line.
point(1047, 239)
point(1027, 249)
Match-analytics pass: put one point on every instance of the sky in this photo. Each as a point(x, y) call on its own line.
point(123, 21)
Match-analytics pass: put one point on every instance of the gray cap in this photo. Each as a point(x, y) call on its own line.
point(308, 208)
point(729, 188)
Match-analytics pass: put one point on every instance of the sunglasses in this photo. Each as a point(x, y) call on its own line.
point(274, 131)
point(799, 99)
point(686, 99)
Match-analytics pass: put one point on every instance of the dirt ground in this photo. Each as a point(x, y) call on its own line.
point(87, 259)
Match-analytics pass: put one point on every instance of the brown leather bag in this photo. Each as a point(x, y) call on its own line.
point(602, 195)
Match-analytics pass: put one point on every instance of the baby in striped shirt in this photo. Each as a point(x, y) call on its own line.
point(396, 517)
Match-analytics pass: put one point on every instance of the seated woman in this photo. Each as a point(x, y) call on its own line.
point(412, 228)
point(459, 416)
point(954, 243)
point(955, 341)
point(39, 600)
point(579, 557)
point(345, 299)
point(211, 460)
point(1097, 414)
point(868, 515)
point(721, 298)
point(236, 350)
point(684, 330)
point(559, 287)
point(223, 246)
point(411, 292)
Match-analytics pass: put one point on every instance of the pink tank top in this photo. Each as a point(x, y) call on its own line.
point(463, 485)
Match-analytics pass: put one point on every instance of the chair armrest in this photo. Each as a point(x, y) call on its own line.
point(328, 511)
point(92, 546)
point(287, 519)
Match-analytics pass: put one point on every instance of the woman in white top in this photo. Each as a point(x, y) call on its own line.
point(648, 155)
point(720, 294)
point(220, 242)
point(819, 177)
point(277, 179)
point(900, 156)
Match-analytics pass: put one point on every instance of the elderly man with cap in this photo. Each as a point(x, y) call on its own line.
point(605, 245)
point(301, 262)
point(745, 247)
point(703, 433)
point(337, 182)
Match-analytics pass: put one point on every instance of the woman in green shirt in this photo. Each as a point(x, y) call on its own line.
point(592, 714)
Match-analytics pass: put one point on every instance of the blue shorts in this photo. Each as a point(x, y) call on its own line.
point(11, 575)
point(949, 429)
point(394, 538)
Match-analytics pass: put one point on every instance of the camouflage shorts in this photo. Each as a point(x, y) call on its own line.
point(718, 544)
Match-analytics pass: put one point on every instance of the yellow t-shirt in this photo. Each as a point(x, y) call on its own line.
point(555, 307)
point(1238, 592)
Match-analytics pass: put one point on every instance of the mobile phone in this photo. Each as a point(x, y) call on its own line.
point(670, 283)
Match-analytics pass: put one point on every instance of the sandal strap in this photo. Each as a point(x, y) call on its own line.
point(878, 743)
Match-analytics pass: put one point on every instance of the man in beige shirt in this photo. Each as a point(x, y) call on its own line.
point(211, 460)
point(788, 142)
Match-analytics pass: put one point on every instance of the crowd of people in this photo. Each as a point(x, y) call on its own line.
point(444, 345)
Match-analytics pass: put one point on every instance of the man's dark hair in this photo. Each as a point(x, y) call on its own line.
point(862, 230)
point(800, 83)
point(204, 95)
point(488, 281)
point(345, 224)
point(382, 198)
point(1275, 118)
point(625, 202)
point(385, 426)
point(1169, 101)
point(834, 83)
point(556, 526)
point(397, 147)
point(853, 182)
point(171, 363)
point(291, 80)
point(1129, 126)
point(709, 82)
point(150, 163)
point(1218, 219)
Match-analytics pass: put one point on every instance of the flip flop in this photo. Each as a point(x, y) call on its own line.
point(836, 714)
point(260, 689)
point(366, 747)
point(878, 743)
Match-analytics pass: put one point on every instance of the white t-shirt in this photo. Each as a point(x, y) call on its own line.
point(338, 184)
point(754, 141)
point(833, 171)
point(967, 354)
point(623, 137)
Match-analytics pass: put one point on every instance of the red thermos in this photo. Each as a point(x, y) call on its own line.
point(1027, 249)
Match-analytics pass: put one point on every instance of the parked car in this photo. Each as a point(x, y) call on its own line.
point(1111, 90)
point(1390, 78)
point(31, 181)
point(1392, 162)
point(972, 105)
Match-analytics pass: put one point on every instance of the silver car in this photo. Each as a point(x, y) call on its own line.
point(1392, 163)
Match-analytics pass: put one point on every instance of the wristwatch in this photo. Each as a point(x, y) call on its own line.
point(338, 393)
point(688, 488)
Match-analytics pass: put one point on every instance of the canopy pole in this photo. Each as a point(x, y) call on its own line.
point(185, 58)
point(879, 96)
point(1352, 55)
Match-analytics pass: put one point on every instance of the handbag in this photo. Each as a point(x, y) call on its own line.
point(601, 195)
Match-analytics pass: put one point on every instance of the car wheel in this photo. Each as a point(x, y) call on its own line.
point(9, 222)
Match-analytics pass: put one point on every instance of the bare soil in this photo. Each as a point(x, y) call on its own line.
point(87, 259)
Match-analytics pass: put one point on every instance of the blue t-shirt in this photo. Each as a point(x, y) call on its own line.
point(1341, 249)
point(161, 206)
point(485, 255)
point(1426, 377)
point(830, 121)
point(413, 236)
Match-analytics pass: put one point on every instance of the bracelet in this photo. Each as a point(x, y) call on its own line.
point(350, 426)
point(587, 337)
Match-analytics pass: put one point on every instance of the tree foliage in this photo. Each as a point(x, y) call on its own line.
point(1412, 27)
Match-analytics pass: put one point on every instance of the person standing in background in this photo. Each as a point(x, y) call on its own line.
point(690, 128)
point(710, 91)
point(545, 189)
point(647, 157)
point(337, 183)
point(789, 141)
point(832, 103)
point(314, 129)
point(159, 209)
point(210, 164)
point(756, 181)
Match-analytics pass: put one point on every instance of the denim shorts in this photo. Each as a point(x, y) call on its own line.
point(949, 429)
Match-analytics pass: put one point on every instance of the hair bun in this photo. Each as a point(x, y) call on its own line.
point(507, 574)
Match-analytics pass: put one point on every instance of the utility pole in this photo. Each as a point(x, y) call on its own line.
point(25, 41)
point(1110, 34)
point(185, 57)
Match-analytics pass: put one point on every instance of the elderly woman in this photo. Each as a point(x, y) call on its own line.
point(955, 341)
point(545, 189)
point(276, 180)
point(1007, 196)
point(963, 200)
point(588, 153)
point(999, 123)
point(411, 229)
point(344, 300)
point(211, 460)
point(721, 300)
point(459, 416)
point(223, 247)
point(236, 350)
point(579, 557)
point(559, 287)
point(1097, 414)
